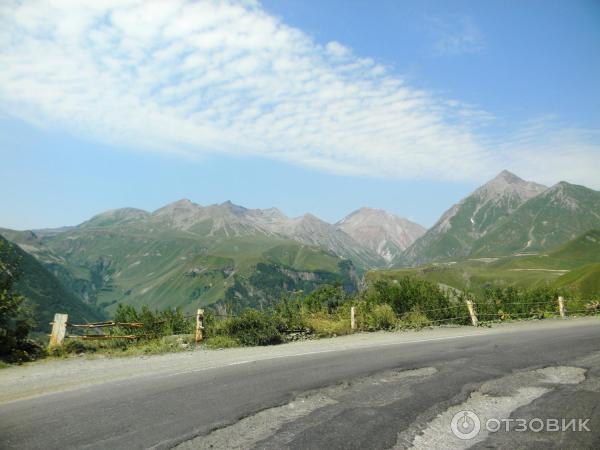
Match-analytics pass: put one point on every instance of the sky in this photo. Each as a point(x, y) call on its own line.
point(309, 106)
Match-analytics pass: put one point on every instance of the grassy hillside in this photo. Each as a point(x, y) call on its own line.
point(43, 291)
point(476, 275)
point(139, 264)
point(585, 248)
point(573, 265)
point(584, 280)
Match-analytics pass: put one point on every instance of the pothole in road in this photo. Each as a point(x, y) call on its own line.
point(358, 392)
point(495, 399)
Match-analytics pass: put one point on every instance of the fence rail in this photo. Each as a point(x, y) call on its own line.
point(469, 312)
point(60, 325)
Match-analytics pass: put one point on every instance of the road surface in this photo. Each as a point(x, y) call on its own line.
point(381, 390)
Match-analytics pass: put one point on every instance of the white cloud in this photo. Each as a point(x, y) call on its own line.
point(225, 77)
point(336, 49)
point(456, 35)
point(548, 151)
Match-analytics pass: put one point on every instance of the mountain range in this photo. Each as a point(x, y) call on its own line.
point(507, 216)
point(224, 255)
point(229, 256)
point(370, 238)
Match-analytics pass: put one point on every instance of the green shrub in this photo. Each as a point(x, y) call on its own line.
point(381, 317)
point(408, 293)
point(156, 324)
point(289, 314)
point(254, 327)
point(504, 303)
point(326, 298)
point(325, 325)
point(414, 319)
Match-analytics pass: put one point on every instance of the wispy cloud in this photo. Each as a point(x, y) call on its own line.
point(548, 150)
point(455, 35)
point(225, 77)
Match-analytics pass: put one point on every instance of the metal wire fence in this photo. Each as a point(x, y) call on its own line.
point(476, 312)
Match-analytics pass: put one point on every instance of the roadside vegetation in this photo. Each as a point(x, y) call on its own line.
point(406, 302)
point(16, 319)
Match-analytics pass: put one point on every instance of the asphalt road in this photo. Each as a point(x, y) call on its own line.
point(392, 395)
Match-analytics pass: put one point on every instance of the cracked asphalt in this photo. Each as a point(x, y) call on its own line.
point(380, 391)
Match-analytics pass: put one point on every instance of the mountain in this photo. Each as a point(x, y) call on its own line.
point(381, 232)
point(456, 232)
point(188, 255)
point(43, 291)
point(230, 220)
point(548, 220)
point(311, 230)
point(114, 217)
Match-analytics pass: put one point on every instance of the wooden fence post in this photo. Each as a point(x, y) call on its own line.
point(472, 312)
point(199, 325)
point(353, 318)
point(59, 330)
point(561, 307)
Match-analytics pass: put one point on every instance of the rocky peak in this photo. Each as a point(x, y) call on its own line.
point(507, 183)
point(233, 208)
point(380, 231)
point(180, 206)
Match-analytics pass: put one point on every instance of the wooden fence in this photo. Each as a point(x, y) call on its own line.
point(61, 324)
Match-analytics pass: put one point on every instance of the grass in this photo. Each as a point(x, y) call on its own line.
point(118, 348)
point(585, 280)
point(220, 342)
point(474, 275)
point(328, 326)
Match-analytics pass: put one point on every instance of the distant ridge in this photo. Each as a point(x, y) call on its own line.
point(369, 237)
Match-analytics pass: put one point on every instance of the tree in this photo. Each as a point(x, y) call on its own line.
point(326, 297)
point(15, 317)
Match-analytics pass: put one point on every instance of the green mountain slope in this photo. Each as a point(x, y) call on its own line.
point(572, 265)
point(43, 290)
point(585, 248)
point(554, 217)
point(584, 280)
point(455, 234)
point(185, 256)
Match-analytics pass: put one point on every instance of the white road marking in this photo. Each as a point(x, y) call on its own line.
point(317, 352)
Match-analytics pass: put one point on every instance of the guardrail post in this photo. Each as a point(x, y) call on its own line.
point(199, 325)
point(353, 318)
point(472, 312)
point(59, 330)
point(561, 307)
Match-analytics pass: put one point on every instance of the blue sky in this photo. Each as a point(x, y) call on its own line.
point(308, 106)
